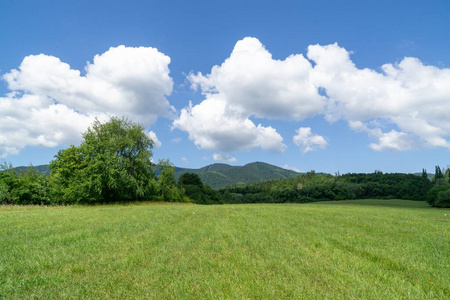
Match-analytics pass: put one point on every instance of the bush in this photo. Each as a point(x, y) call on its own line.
point(443, 199)
point(197, 191)
point(433, 194)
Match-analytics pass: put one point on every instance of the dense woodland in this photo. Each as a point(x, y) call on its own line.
point(325, 187)
point(113, 164)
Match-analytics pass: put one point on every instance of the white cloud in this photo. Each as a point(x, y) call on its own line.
point(36, 121)
point(410, 96)
point(249, 83)
point(156, 142)
point(287, 167)
point(214, 125)
point(307, 141)
point(51, 104)
point(392, 140)
point(223, 157)
point(251, 80)
point(185, 160)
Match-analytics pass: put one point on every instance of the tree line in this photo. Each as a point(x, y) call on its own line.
point(314, 187)
point(114, 164)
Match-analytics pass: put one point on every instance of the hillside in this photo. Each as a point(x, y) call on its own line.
point(41, 169)
point(220, 175)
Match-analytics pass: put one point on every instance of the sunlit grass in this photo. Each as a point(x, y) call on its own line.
point(367, 249)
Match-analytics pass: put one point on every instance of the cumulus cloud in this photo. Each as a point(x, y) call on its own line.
point(259, 85)
point(156, 142)
point(392, 140)
point(51, 104)
point(287, 167)
point(307, 141)
point(410, 99)
point(249, 83)
point(410, 96)
point(223, 157)
point(214, 125)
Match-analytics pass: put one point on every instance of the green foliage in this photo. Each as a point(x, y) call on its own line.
point(6, 177)
point(438, 194)
point(113, 163)
point(5, 195)
point(190, 179)
point(424, 173)
point(443, 198)
point(197, 191)
point(24, 187)
point(167, 184)
point(438, 174)
point(321, 187)
point(221, 175)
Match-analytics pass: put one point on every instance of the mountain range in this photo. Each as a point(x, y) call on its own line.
point(221, 175)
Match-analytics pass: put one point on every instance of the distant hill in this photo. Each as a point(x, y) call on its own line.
point(220, 175)
point(41, 169)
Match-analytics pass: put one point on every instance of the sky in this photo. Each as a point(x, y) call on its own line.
point(331, 86)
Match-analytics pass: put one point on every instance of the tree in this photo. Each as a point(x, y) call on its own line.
point(113, 163)
point(190, 179)
point(198, 192)
point(7, 175)
point(438, 174)
point(166, 182)
point(424, 174)
point(443, 199)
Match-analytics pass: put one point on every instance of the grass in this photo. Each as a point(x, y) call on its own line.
point(367, 249)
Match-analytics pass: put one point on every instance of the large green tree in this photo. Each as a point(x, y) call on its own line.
point(167, 185)
point(113, 163)
point(197, 191)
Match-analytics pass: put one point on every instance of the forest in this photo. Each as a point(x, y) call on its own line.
point(114, 164)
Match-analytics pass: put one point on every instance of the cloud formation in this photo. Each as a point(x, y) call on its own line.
point(51, 104)
point(156, 142)
point(401, 106)
point(224, 157)
point(409, 96)
point(250, 83)
point(255, 83)
point(214, 125)
point(404, 106)
point(307, 141)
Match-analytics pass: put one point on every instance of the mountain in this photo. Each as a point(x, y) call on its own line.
point(41, 169)
point(220, 175)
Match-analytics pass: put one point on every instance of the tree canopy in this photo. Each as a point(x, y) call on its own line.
point(113, 163)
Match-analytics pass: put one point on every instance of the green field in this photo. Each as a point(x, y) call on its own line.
point(365, 249)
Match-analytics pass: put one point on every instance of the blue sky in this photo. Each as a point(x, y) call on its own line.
point(348, 86)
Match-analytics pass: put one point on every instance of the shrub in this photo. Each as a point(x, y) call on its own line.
point(443, 199)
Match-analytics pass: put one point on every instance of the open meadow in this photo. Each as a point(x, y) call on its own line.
point(359, 249)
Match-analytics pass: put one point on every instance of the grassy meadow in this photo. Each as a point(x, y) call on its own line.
point(362, 249)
